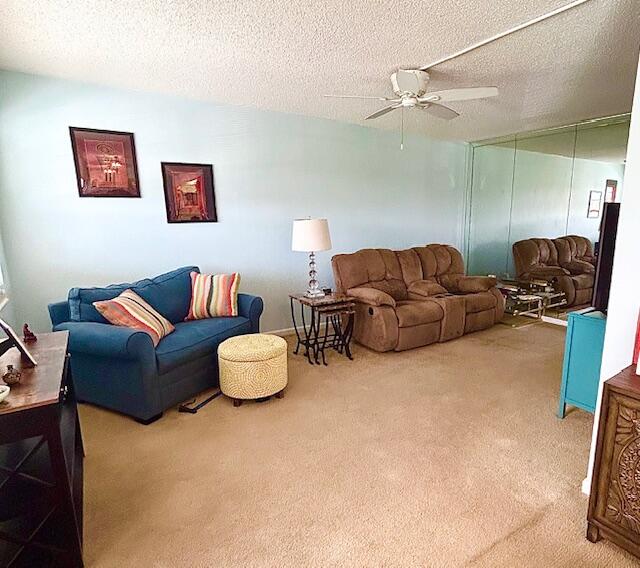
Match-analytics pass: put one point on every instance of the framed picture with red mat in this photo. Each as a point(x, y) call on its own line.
point(189, 192)
point(105, 162)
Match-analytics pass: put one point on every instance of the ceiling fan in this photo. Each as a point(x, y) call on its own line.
point(410, 88)
point(410, 85)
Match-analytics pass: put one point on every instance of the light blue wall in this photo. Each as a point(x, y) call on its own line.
point(269, 168)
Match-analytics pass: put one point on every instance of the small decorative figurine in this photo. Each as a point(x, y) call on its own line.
point(12, 376)
point(29, 336)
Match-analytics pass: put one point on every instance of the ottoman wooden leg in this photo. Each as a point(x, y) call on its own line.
point(280, 394)
point(237, 402)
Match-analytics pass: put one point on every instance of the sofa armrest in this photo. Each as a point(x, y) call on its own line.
point(59, 312)
point(460, 284)
point(106, 340)
point(425, 289)
point(371, 296)
point(545, 272)
point(579, 267)
point(251, 307)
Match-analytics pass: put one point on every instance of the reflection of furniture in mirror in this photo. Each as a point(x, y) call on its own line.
point(538, 184)
point(566, 262)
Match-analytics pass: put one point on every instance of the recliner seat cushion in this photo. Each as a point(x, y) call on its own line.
point(412, 312)
point(194, 339)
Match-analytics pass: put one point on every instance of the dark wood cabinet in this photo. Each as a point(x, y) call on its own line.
point(41, 461)
point(614, 505)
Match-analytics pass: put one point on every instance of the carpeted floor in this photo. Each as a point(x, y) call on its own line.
point(449, 455)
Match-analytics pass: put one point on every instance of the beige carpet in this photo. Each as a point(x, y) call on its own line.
point(449, 455)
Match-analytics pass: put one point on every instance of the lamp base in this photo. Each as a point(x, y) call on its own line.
point(317, 293)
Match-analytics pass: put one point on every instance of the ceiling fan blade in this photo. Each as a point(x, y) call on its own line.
point(465, 94)
point(382, 112)
point(440, 111)
point(358, 97)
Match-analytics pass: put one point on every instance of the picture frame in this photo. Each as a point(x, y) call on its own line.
point(611, 189)
point(595, 204)
point(189, 192)
point(105, 162)
point(13, 340)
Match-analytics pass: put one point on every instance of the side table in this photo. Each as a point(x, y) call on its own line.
point(338, 314)
point(41, 454)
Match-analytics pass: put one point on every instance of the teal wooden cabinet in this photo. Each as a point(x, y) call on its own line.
point(582, 360)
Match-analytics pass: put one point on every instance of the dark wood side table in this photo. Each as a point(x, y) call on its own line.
point(614, 504)
point(337, 312)
point(41, 457)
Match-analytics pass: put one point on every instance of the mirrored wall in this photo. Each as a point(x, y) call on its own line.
point(541, 184)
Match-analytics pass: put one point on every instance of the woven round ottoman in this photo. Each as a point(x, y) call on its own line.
point(252, 366)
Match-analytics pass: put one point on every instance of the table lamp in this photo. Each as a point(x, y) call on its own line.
point(311, 235)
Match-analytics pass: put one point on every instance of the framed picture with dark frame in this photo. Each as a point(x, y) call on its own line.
point(189, 192)
point(105, 162)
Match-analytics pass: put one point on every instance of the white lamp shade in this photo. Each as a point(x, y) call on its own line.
point(310, 235)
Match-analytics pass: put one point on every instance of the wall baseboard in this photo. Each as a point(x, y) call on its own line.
point(288, 331)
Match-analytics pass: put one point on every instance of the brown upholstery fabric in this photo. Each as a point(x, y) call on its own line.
point(453, 308)
point(416, 280)
point(420, 289)
point(418, 336)
point(459, 284)
point(376, 327)
point(371, 296)
point(567, 262)
point(478, 321)
point(413, 312)
point(579, 248)
point(375, 268)
point(480, 302)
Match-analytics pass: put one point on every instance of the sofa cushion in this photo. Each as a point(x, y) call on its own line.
point(168, 293)
point(412, 312)
point(582, 281)
point(130, 310)
point(426, 288)
point(195, 339)
point(213, 295)
point(480, 302)
point(395, 288)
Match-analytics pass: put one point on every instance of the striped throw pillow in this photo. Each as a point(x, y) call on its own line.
point(130, 310)
point(213, 295)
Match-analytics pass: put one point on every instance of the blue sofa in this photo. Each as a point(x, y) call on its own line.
point(118, 367)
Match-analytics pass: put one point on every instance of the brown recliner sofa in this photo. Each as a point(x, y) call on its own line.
point(567, 262)
point(414, 297)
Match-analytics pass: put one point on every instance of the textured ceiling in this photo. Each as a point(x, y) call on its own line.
point(284, 55)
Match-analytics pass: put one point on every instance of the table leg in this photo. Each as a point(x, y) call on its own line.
point(295, 326)
point(307, 333)
point(348, 333)
point(326, 335)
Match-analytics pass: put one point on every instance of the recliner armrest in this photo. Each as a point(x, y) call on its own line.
point(545, 272)
point(106, 340)
point(579, 267)
point(371, 296)
point(425, 289)
point(460, 284)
